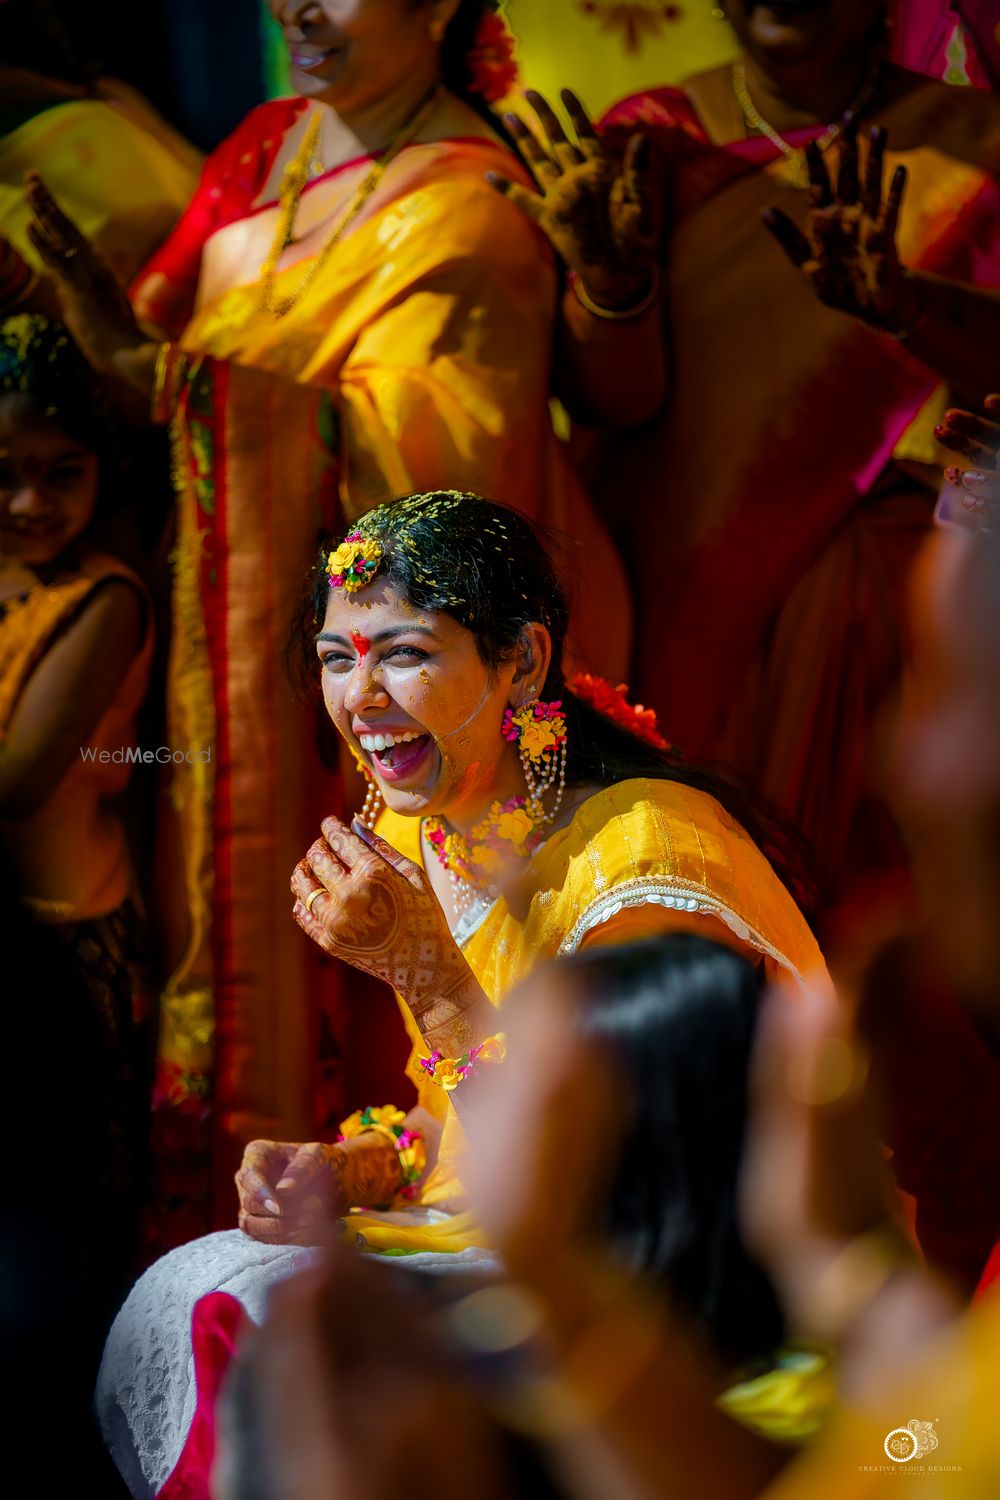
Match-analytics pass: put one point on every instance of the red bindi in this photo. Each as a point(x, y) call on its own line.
point(361, 643)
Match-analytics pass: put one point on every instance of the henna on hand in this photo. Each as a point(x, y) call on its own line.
point(848, 251)
point(94, 306)
point(377, 911)
point(288, 1191)
point(602, 215)
point(368, 1171)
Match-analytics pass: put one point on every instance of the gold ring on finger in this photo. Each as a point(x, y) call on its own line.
point(312, 896)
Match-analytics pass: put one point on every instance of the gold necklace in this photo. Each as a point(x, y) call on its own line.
point(794, 155)
point(297, 173)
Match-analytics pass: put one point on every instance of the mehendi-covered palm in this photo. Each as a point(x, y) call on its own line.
point(602, 213)
point(848, 251)
point(376, 910)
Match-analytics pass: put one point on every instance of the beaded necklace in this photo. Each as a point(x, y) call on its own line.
point(793, 155)
point(297, 173)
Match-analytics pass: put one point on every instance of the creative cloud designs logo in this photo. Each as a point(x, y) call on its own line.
point(915, 1440)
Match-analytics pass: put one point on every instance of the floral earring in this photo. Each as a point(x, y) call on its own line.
point(539, 731)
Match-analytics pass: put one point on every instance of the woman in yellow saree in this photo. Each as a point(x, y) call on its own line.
point(351, 314)
point(521, 822)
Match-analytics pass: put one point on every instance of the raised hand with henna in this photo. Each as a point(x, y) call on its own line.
point(362, 901)
point(93, 305)
point(602, 214)
point(848, 251)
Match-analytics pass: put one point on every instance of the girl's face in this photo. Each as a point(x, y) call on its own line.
point(351, 54)
point(48, 484)
point(408, 691)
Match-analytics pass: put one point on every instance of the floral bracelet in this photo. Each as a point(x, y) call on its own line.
point(448, 1072)
point(390, 1122)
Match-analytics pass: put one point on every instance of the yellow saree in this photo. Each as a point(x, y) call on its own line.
point(418, 359)
point(638, 858)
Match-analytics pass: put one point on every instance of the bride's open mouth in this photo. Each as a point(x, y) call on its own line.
point(396, 756)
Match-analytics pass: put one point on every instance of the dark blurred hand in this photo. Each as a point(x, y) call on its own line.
point(351, 1396)
point(848, 252)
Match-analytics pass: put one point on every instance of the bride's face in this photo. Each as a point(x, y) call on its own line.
point(410, 694)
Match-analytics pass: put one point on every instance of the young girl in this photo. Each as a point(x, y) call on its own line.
point(75, 644)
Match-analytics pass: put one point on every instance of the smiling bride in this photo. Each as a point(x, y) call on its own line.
point(512, 816)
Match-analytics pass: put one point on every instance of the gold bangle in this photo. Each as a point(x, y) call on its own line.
point(615, 314)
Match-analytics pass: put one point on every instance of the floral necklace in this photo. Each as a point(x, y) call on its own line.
point(476, 860)
point(297, 173)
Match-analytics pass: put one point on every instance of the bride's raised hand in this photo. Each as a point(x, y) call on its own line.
point(363, 901)
point(602, 213)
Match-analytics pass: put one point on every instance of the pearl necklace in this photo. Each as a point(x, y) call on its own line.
point(298, 172)
point(793, 155)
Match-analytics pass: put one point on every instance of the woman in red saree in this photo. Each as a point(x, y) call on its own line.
point(786, 469)
point(349, 313)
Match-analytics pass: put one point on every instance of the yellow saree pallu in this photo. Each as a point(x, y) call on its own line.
point(431, 325)
point(418, 358)
point(123, 187)
point(639, 858)
point(252, 1012)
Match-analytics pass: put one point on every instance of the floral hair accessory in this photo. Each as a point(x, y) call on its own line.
point(355, 562)
point(491, 60)
point(448, 1072)
point(613, 703)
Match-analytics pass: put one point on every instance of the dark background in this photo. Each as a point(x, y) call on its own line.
point(199, 61)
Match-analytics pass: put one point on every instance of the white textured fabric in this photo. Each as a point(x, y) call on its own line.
point(146, 1392)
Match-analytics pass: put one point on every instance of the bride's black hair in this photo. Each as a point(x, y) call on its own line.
point(485, 566)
